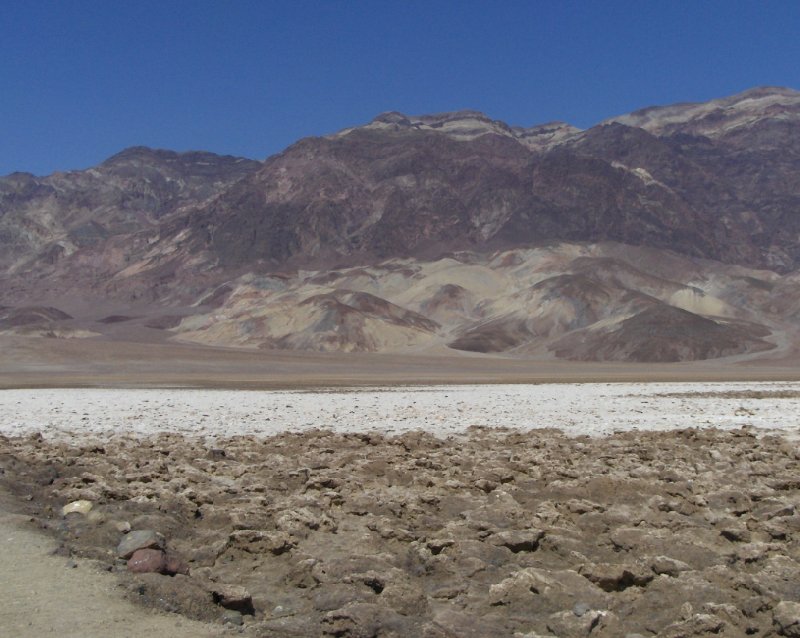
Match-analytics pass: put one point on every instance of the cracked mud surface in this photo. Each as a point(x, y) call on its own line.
point(492, 533)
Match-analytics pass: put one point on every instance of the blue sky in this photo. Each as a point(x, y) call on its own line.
point(81, 80)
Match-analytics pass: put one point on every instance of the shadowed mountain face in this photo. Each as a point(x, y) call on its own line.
point(162, 236)
point(79, 229)
point(405, 186)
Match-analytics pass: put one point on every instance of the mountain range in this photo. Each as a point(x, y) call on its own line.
point(671, 233)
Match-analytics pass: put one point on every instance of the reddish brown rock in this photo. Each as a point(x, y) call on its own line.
point(148, 561)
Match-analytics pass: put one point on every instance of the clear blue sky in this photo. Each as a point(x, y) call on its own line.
point(80, 80)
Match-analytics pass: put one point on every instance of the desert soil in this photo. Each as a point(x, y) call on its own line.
point(44, 592)
point(429, 530)
point(59, 363)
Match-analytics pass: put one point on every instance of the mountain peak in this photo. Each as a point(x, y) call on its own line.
point(719, 116)
point(139, 153)
point(766, 91)
point(193, 160)
point(432, 119)
point(468, 124)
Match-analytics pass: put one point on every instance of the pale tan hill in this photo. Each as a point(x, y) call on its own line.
point(589, 302)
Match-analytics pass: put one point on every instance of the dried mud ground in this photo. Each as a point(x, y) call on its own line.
point(490, 533)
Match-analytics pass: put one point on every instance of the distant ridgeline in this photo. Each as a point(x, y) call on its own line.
point(671, 233)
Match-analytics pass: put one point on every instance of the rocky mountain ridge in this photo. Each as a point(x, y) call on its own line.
point(157, 230)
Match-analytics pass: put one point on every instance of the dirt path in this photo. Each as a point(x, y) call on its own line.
point(43, 596)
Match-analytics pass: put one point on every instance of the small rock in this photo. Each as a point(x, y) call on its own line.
point(582, 506)
point(332, 597)
point(232, 617)
point(736, 534)
point(123, 527)
point(147, 561)
point(518, 541)
point(668, 566)
point(216, 454)
point(559, 588)
point(175, 565)
point(80, 507)
point(727, 612)
point(752, 552)
point(486, 485)
point(359, 619)
point(614, 577)
point(96, 517)
point(436, 545)
point(257, 541)
point(448, 592)
point(697, 625)
point(566, 623)
point(140, 539)
point(405, 598)
point(233, 597)
point(786, 618)
point(580, 609)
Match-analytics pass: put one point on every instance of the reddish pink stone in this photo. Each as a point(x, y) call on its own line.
point(147, 561)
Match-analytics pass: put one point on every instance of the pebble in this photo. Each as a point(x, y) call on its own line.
point(787, 618)
point(79, 507)
point(232, 617)
point(580, 609)
point(139, 539)
point(123, 527)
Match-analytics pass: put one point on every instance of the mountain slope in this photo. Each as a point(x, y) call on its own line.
point(404, 186)
point(91, 223)
point(571, 301)
point(566, 242)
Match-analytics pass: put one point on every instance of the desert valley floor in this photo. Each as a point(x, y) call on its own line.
point(471, 497)
point(576, 409)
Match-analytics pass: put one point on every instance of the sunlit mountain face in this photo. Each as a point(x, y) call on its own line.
point(668, 234)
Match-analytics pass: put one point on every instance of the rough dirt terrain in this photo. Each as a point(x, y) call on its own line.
point(490, 533)
point(45, 594)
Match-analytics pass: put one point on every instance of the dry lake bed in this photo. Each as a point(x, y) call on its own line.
point(568, 510)
point(594, 409)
